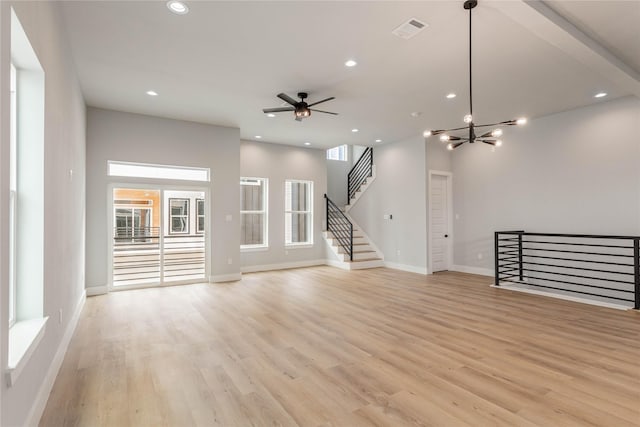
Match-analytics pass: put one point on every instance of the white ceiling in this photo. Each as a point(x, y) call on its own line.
point(225, 61)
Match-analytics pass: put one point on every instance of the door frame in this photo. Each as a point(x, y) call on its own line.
point(162, 188)
point(449, 179)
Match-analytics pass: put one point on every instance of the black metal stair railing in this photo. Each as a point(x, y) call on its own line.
point(340, 226)
point(359, 173)
point(602, 266)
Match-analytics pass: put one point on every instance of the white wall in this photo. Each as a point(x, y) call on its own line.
point(64, 203)
point(277, 163)
point(399, 190)
point(337, 172)
point(572, 172)
point(113, 135)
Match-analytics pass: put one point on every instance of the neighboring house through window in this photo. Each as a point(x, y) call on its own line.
point(199, 215)
point(178, 216)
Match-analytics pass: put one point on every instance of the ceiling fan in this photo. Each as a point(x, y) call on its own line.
point(300, 108)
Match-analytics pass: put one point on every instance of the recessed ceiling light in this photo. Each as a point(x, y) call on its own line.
point(177, 7)
point(271, 115)
point(258, 136)
point(451, 95)
point(354, 130)
point(416, 114)
point(350, 63)
point(600, 95)
point(152, 93)
point(378, 140)
point(307, 143)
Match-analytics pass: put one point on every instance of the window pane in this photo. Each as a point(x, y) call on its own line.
point(297, 228)
point(200, 224)
point(139, 170)
point(178, 225)
point(252, 229)
point(299, 196)
point(200, 207)
point(252, 195)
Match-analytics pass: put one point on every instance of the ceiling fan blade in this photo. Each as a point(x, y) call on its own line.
point(287, 98)
point(320, 111)
point(277, 110)
point(324, 100)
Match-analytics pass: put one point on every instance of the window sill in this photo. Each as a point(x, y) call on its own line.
point(24, 337)
point(254, 248)
point(299, 245)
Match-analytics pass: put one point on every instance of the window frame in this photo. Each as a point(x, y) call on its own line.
point(187, 217)
point(264, 212)
point(309, 213)
point(13, 194)
point(341, 153)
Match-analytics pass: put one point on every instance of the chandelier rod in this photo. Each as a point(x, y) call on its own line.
point(470, 73)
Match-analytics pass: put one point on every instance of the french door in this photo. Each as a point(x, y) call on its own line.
point(158, 236)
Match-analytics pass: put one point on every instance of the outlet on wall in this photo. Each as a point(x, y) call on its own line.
point(398, 252)
point(480, 256)
point(60, 316)
point(229, 261)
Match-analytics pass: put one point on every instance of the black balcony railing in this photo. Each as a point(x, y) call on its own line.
point(601, 266)
point(359, 173)
point(340, 226)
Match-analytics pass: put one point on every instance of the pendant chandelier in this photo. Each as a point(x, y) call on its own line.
point(492, 137)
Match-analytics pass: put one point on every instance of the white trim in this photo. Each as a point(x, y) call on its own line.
point(472, 270)
point(449, 177)
point(405, 267)
point(97, 290)
point(563, 297)
point(338, 264)
point(283, 266)
point(40, 402)
point(26, 336)
point(233, 277)
point(288, 246)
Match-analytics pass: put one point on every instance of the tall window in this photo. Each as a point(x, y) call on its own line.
point(253, 213)
point(338, 153)
point(199, 215)
point(179, 216)
point(298, 212)
point(12, 198)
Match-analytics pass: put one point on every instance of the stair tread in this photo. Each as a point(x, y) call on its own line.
point(366, 259)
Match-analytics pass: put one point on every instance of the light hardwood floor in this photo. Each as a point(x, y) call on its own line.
point(322, 346)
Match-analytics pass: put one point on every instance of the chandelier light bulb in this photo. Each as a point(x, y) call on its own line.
point(496, 133)
point(449, 146)
point(468, 119)
point(444, 137)
point(426, 133)
point(521, 121)
point(499, 143)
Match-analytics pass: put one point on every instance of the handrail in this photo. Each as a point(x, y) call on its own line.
point(340, 226)
point(359, 173)
point(530, 262)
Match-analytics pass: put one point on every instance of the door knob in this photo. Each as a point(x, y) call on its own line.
point(446, 235)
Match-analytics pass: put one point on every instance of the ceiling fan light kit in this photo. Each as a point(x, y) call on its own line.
point(469, 134)
point(301, 109)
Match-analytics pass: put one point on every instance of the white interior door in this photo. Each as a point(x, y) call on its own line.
point(439, 217)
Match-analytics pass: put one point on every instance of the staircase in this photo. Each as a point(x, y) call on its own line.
point(346, 239)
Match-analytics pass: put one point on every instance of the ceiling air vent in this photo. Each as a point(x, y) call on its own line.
point(409, 29)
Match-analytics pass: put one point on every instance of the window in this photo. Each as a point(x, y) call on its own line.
point(141, 170)
point(199, 215)
point(337, 153)
point(298, 213)
point(178, 216)
point(253, 213)
point(12, 198)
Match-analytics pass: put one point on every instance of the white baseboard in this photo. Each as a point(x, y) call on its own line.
point(472, 270)
point(40, 402)
point(337, 264)
point(233, 277)
point(97, 290)
point(511, 287)
point(405, 267)
point(283, 266)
